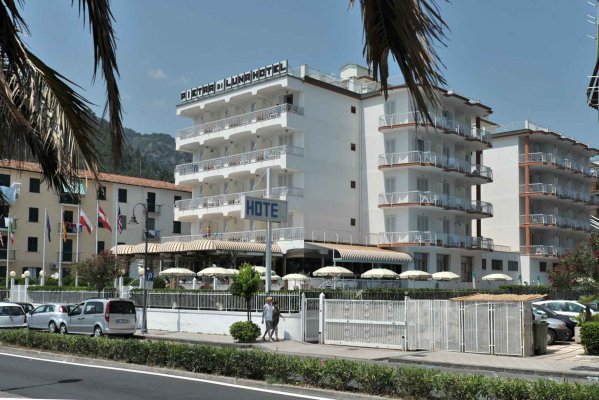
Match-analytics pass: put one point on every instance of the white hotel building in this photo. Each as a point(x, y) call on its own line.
point(354, 168)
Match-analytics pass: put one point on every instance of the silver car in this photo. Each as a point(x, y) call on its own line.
point(99, 317)
point(12, 316)
point(48, 316)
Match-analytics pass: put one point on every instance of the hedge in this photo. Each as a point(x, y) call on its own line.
point(340, 375)
point(589, 337)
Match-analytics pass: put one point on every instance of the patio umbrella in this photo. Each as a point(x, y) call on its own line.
point(332, 271)
point(497, 277)
point(295, 277)
point(233, 271)
point(445, 276)
point(273, 277)
point(215, 272)
point(415, 275)
point(177, 272)
point(259, 269)
point(380, 273)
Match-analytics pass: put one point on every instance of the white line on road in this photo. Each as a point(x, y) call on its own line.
point(186, 378)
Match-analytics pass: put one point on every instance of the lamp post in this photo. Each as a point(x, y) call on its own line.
point(144, 316)
point(25, 276)
point(42, 275)
point(12, 279)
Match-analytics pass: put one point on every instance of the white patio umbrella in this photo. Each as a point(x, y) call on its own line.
point(259, 269)
point(497, 277)
point(273, 277)
point(177, 272)
point(214, 272)
point(380, 273)
point(332, 271)
point(445, 276)
point(295, 277)
point(233, 271)
point(415, 275)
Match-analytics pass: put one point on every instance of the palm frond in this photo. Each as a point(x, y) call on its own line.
point(409, 30)
point(593, 89)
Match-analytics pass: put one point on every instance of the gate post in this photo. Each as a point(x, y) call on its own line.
point(405, 321)
point(303, 315)
point(321, 318)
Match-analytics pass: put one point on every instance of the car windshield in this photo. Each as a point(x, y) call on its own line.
point(541, 310)
point(122, 307)
point(11, 310)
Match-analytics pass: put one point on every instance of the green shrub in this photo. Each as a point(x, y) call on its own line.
point(244, 331)
point(589, 337)
point(159, 283)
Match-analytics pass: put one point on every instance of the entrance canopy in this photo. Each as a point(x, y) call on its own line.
point(362, 254)
point(196, 245)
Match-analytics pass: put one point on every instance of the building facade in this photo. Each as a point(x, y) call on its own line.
point(31, 200)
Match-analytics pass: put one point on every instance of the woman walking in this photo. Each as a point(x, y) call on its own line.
point(276, 313)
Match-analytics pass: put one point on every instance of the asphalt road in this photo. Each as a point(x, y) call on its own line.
point(29, 377)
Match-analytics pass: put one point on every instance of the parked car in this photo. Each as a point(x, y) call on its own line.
point(569, 321)
point(12, 316)
point(48, 316)
point(27, 307)
point(569, 308)
point(99, 317)
point(556, 331)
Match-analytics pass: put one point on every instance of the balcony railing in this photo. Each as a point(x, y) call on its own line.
point(69, 227)
point(271, 153)
point(437, 160)
point(12, 254)
point(427, 238)
point(552, 220)
point(564, 163)
point(154, 208)
point(69, 198)
point(562, 193)
point(233, 198)
point(448, 125)
point(544, 251)
point(239, 120)
point(437, 200)
point(67, 256)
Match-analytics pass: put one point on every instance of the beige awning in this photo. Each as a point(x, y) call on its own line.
point(122, 249)
point(141, 248)
point(200, 245)
point(247, 247)
point(172, 247)
point(366, 254)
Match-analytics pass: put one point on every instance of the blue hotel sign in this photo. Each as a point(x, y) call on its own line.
point(261, 209)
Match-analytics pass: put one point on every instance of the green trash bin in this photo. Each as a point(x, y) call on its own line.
point(539, 333)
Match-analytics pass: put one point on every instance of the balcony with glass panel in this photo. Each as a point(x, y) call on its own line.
point(548, 161)
point(548, 190)
point(544, 251)
point(436, 239)
point(425, 199)
point(549, 221)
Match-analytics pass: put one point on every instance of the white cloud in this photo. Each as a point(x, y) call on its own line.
point(157, 74)
point(181, 81)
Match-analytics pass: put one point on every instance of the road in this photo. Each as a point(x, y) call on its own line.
point(30, 377)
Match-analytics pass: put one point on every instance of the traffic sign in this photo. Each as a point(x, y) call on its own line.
point(150, 276)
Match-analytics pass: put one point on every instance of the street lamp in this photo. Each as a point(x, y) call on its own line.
point(144, 316)
point(42, 275)
point(12, 279)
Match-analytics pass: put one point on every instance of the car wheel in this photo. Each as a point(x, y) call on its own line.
point(63, 329)
point(98, 331)
point(52, 327)
point(551, 336)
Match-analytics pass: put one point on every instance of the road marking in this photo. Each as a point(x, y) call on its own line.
point(185, 378)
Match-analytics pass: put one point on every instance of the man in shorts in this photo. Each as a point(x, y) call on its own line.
point(267, 316)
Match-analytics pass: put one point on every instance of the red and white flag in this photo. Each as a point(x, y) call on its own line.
point(84, 221)
point(102, 219)
point(119, 222)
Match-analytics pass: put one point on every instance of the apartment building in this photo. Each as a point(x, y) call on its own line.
point(30, 199)
point(354, 168)
point(541, 194)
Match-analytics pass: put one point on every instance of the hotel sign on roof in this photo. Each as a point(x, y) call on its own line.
point(235, 81)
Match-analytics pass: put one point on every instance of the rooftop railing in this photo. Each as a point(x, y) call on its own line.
point(238, 159)
point(233, 198)
point(427, 198)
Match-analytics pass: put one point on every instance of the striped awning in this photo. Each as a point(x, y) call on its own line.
point(200, 245)
point(141, 248)
point(366, 254)
point(172, 247)
point(248, 247)
point(122, 249)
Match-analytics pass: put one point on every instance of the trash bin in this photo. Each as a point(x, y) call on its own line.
point(539, 334)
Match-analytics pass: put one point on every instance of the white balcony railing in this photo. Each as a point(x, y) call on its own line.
point(552, 220)
point(562, 193)
point(238, 159)
point(558, 161)
point(427, 198)
point(544, 250)
point(437, 160)
point(435, 239)
point(233, 198)
point(239, 120)
point(440, 122)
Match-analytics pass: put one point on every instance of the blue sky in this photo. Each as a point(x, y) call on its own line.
point(525, 59)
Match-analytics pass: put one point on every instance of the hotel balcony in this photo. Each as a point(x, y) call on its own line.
point(426, 160)
point(543, 251)
point(70, 228)
point(12, 254)
point(551, 190)
point(477, 209)
point(226, 204)
point(427, 238)
point(553, 221)
point(550, 161)
point(280, 116)
point(284, 157)
point(67, 257)
point(448, 126)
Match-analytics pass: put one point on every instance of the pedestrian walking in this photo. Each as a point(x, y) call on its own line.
point(276, 314)
point(267, 316)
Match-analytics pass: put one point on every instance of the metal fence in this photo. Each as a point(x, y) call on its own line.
point(310, 311)
point(70, 297)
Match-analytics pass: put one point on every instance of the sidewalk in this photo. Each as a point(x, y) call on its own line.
point(564, 360)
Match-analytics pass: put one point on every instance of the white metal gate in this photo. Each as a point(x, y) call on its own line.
point(310, 320)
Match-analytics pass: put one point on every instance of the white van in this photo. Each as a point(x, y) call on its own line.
point(99, 317)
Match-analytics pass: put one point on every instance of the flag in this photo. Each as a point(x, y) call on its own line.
point(84, 221)
point(102, 219)
point(1, 241)
point(11, 229)
point(48, 228)
point(64, 232)
point(119, 225)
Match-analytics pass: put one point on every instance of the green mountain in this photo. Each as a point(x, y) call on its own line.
point(151, 156)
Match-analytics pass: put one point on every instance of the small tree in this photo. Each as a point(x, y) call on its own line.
point(580, 267)
point(245, 285)
point(100, 270)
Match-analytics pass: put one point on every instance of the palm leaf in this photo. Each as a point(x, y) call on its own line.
point(593, 89)
point(408, 30)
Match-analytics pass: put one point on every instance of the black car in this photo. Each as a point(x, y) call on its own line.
point(570, 324)
point(25, 306)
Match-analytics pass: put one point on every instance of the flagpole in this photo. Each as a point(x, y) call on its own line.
point(116, 221)
point(97, 223)
point(77, 247)
point(8, 249)
point(60, 248)
point(44, 235)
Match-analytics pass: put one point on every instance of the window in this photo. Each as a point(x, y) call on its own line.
point(352, 184)
point(288, 99)
point(353, 109)
point(352, 222)
point(467, 264)
point(32, 244)
point(442, 262)
point(151, 224)
point(34, 214)
point(421, 261)
point(122, 195)
point(512, 265)
point(543, 266)
point(497, 265)
point(177, 198)
point(5, 180)
point(484, 264)
point(34, 185)
point(176, 226)
point(101, 193)
point(352, 146)
point(67, 216)
point(101, 246)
